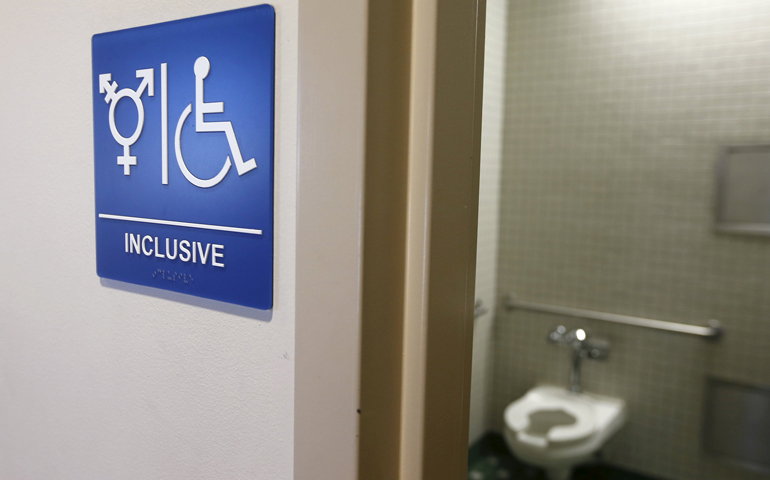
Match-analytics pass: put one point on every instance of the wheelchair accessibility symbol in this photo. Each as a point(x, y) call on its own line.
point(201, 69)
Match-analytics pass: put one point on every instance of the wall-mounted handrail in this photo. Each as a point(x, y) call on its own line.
point(479, 309)
point(713, 330)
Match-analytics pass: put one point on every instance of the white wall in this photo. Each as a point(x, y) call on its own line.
point(103, 379)
point(489, 207)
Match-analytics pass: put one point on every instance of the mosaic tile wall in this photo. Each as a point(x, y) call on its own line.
point(489, 215)
point(615, 114)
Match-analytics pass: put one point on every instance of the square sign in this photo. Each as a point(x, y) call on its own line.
point(183, 155)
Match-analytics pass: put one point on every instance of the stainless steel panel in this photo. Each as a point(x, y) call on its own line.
point(743, 190)
point(736, 425)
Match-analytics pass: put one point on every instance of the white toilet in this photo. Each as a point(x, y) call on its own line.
point(556, 429)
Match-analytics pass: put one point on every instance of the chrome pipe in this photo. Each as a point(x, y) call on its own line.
point(713, 330)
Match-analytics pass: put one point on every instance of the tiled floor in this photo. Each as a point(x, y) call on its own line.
point(490, 459)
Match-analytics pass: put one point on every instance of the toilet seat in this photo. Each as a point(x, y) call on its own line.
point(546, 440)
point(517, 417)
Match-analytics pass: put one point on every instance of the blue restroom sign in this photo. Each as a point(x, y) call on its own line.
point(183, 155)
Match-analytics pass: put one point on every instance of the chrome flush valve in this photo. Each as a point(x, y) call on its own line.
point(582, 347)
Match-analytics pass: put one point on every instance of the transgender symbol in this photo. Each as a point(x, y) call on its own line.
point(109, 88)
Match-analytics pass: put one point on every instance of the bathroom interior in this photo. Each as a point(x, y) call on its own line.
point(622, 326)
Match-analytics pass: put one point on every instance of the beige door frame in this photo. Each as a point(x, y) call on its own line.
point(390, 125)
point(447, 80)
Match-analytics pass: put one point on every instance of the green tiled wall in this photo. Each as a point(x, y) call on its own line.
point(615, 113)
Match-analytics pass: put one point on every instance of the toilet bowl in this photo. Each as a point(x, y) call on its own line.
point(556, 429)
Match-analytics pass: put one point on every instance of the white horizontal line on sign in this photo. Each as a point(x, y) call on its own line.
point(221, 228)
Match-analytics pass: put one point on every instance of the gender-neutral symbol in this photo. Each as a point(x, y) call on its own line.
point(112, 97)
point(202, 67)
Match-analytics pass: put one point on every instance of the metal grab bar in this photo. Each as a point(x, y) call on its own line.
point(713, 330)
point(479, 309)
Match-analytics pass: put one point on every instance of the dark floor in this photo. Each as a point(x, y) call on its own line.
point(490, 459)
